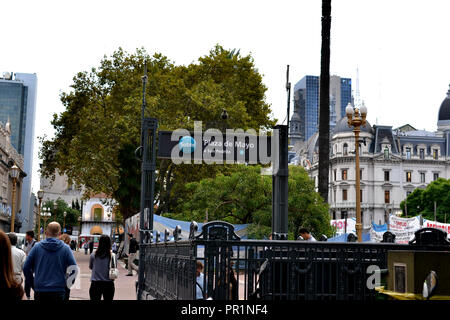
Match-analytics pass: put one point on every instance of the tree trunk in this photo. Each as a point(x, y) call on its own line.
point(324, 108)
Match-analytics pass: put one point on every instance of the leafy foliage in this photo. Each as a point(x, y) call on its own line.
point(245, 196)
point(58, 212)
point(421, 201)
point(98, 132)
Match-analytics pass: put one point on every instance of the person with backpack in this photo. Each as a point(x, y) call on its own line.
point(47, 266)
point(100, 263)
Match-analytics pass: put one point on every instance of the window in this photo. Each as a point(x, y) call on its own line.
point(386, 176)
point(435, 176)
point(335, 174)
point(422, 177)
point(387, 196)
point(408, 153)
point(386, 152)
point(408, 176)
point(344, 174)
point(360, 174)
point(344, 195)
point(345, 149)
point(435, 154)
point(422, 154)
point(360, 195)
point(98, 214)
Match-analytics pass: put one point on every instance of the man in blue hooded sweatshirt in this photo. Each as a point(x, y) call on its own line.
point(49, 261)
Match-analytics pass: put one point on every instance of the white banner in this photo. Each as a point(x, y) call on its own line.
point(403, 228)
point(340, 225)
point(438, 225)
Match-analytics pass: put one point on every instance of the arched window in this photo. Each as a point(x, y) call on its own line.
point(345, 149)
point(97, 212)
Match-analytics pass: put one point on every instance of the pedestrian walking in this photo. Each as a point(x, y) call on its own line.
point(18, 257)
point(132, 249)
point(100, 262)
point(10, 289)
point(29, 241)
point(91, 246)
point(86, 247)
point(29, 244)
point(47, 266)
point(114, 247)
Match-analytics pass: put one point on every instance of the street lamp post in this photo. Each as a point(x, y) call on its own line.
point(40, 196)
point(55, 207)
point(64, 224)
point(14, 175)
point(46, 215)
point(357, 118)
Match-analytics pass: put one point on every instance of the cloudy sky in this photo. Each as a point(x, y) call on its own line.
point(400, 47)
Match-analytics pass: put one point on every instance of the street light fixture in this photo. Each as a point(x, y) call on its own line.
point(46, 215)
point(40, 197)
point(15, 171)
point(55, 207)
point(356, 117)
point(64, 224)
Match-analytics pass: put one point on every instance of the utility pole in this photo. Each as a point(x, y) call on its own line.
point(324, 108)
point(288, 89)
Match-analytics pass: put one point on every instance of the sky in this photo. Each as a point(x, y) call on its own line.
point(400, 47)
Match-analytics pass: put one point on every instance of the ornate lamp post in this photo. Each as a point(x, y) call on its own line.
point(15, 171)
point(46, 215)
point(40, 196)
point(64, 224)
point(55, 207)
point(356, 119)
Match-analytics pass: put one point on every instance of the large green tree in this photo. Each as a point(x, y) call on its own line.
point(421, 201)
point(245, 196)
point(96, 135)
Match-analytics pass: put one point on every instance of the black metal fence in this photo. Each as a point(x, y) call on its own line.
point(237, 269)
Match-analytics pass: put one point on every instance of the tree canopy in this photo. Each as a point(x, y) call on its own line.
point(96, 135)
point(245, 196)
point(421, 201)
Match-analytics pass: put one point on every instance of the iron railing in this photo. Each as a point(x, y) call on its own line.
point(237, 269)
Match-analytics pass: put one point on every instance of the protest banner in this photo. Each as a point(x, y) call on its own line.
point(403, 228)
point(438, 225)
point(339, 224)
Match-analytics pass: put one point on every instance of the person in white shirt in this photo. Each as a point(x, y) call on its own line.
point(200, 280)
point(18, 257)
point(306, 236)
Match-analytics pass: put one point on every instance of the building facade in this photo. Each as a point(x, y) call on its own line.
point(8, 157)
point(98, 216)
point(305, 119)
point(18, 107)
point(392, 164)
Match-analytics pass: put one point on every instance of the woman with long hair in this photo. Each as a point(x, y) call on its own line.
point(10, 289)
point(100, 263)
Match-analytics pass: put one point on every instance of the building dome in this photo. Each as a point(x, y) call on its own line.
point(96, 230)
point(342, 127)
point(444, 110)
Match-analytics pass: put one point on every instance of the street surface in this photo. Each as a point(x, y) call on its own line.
point(125, 285)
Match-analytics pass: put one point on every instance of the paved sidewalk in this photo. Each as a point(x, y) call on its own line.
point(125, 285)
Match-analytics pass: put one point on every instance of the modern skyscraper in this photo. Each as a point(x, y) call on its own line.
point(305, 120)
point(18, 105)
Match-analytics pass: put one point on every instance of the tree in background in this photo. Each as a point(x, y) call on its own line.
point(98, 132)
point(245, 197)
point(421, 201)
point(58, 214)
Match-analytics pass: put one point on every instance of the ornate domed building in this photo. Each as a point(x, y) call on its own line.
point(393, 162)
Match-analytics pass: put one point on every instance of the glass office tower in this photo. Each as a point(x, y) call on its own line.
point(18, 105)
point(306, 103)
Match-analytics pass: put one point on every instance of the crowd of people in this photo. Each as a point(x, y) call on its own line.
point(50, 269)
